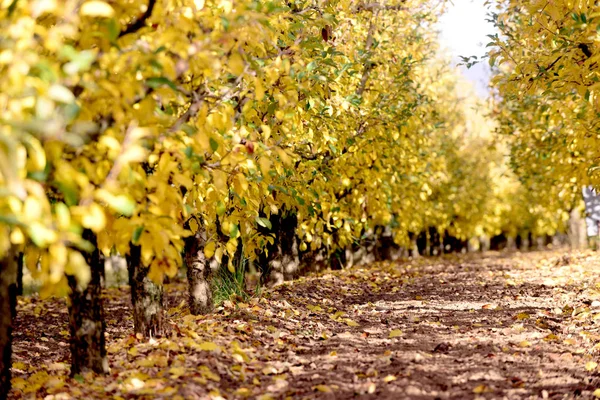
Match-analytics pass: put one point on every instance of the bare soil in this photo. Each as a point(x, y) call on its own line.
point(493, 326)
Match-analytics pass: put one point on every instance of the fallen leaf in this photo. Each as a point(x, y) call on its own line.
point(243, 392)
point(522, 316)
point(349, 322)
point(481, 389)
point(208, 346)
point(395, 333)
point(269, 370)
point(323, 388)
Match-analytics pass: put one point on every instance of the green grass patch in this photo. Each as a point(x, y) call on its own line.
point(227, 285)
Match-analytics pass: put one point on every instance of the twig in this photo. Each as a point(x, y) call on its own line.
point(140, 22)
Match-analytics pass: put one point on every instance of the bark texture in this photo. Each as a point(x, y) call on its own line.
point(577, 229)
point(8, 296)
point(147, 297)
point(284, 260)
point(86, 317)
point(20, 265)
point(198, 274)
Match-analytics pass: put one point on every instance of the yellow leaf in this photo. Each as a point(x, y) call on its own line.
point(231, 246)
point(61, 94)
point(194, 228)
point(525, 343)
point(93, 218)
point(323, 388)
point(269, 370)
point(236, 63)
point(522, 316)
point(349, 322)
point(209, 249)
point(481, 389)
point(596, 393)
point(395, 333)
point(266, 132)
point(145, 362)
point(208, 346)
point(220, 180)
point(20, 366)
point(591, 365)
point(259, 89)
point(243, 392)
point(133, 154)
point(219, 254)
point(77, 266)
point(285, 159)
point(551, 338)
point(389, 378)
point(177, 371)
point(96, 8)
point(265, 165)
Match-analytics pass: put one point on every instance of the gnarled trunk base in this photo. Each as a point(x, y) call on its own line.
point(198, 274)
point(147, 297)
point(86, 318)
point(8, 296)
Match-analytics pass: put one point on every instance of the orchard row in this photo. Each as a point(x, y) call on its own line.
point(178, 132)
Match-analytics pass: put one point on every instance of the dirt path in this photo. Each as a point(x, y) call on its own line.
point(495, 326)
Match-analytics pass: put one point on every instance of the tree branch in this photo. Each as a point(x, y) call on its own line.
point(378, 6)
point(140, 22)
point(368, 66)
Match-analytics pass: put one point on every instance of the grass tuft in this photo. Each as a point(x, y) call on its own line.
point(231, 286)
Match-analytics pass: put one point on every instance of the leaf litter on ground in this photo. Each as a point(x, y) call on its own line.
point(491, 325)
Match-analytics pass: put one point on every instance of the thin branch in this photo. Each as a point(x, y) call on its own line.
point(368, 65)
point(140, 22)
point(378, 6)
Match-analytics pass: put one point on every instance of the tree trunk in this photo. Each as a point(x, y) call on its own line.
point(147, 297)
point(283, 261)
point(20, 264)
point(413, 250)
point(577, 229)
point(8, 301)
point(198, 274)
point(86, 317)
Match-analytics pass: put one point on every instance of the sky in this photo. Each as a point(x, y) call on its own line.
point(463, 31)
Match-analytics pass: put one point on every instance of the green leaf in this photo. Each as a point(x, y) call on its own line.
point(221, 209)
point(233, 231)
point(121, 203)
point(157, 82)
point(12, 7)
point(137, 233)
point(80, 60)
point(61, 94)
point(113, 30)
point(214, 145)
point(189, 129)
point(264, 222)
point(69, 192)
point(225, 23)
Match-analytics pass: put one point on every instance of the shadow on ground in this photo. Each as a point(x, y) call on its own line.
point(514, 326)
